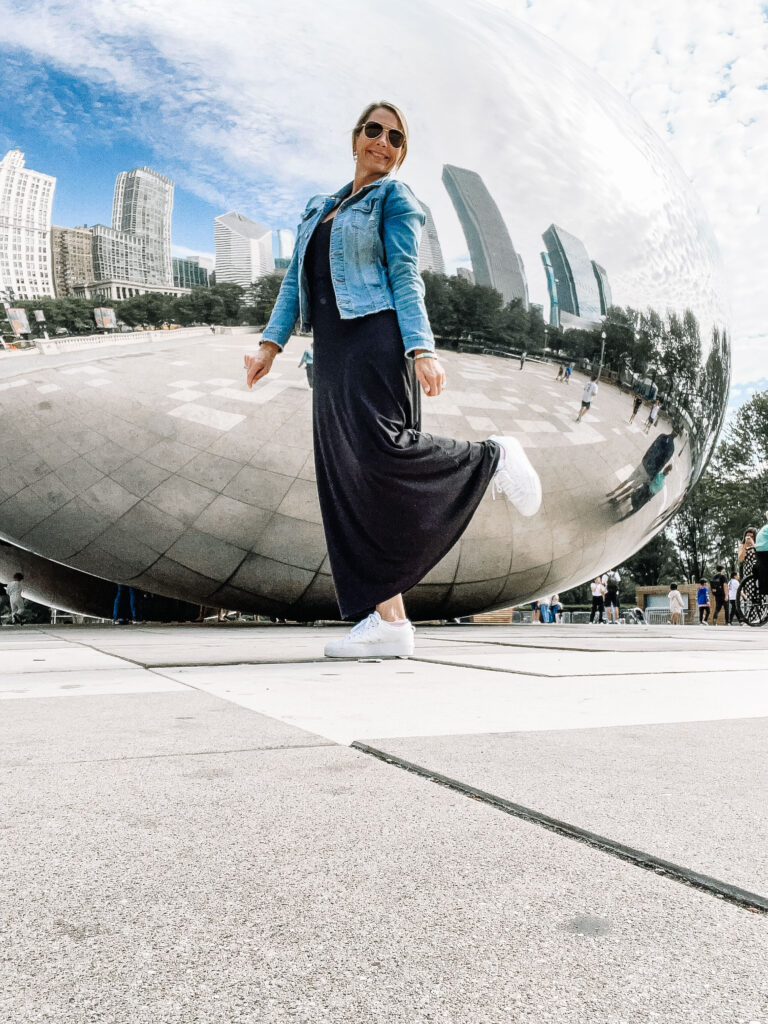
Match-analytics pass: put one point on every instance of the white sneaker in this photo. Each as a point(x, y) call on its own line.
point(515, 477)
point(373, 638)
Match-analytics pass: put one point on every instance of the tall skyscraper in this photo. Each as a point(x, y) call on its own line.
point(187, 273)
point(494, 260)
point(554, 308)
point(117, 257)
point(575, 280)
point(143, 206)
point(603, 287)
point(285, 243)
point(72, 250)
point(430, 253)
point(243, 249)
point(26, 198)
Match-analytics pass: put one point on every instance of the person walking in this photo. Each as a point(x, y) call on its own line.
point(598, 602)
point(718, 585)
point(523, 355)
point(653, 415)
point(733, 589)
point(638, 401)
point(393, 500)
point(611, 582)
point(590, 390)
point(307, 361)
point(568, 372)
point(676, 605)
point(703, 602)
point(18, 605)
point(560, 373)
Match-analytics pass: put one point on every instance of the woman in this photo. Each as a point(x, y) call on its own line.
point(598, 600)
point(393, 500)
point(676, 605)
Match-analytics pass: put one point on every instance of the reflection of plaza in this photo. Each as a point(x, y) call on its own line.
point(155, 466)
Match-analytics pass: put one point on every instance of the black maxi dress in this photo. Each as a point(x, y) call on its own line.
point(393, 500)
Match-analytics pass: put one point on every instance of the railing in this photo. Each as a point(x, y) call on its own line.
point(52, 346)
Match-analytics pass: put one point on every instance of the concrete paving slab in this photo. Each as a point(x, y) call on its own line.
point(135, 725)
point(127, 679)
point(321, 885)
point(692, 793)
point(60, 657)
point(348, 701)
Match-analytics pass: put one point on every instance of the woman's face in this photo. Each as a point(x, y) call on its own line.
point(376, 157)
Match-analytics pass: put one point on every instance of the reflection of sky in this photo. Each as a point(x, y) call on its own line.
point(248, 107)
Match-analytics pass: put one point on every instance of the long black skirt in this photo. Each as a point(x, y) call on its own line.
point(394, 500)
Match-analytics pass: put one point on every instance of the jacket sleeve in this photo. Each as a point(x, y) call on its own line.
point(402, 220)
point(286, 308)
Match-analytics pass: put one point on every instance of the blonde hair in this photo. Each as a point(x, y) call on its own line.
point(393, 110)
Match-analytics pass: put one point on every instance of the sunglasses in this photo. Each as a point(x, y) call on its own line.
point(373, 130)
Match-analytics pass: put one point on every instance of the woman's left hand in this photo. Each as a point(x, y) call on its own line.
point(431, 375)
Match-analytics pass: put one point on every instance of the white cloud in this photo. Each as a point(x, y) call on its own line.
point(211, 89)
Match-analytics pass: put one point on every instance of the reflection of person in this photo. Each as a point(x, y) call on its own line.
point(307, 361)
point(733, 589)
point(638, 401)
point(653, 415)
point(560, 372)
point(18, 605)
point(598, 605)
point(590, 390)
point(568, 372)
point(718, 585)
point(393, 500)
point(651, 464)
point(676, 604)
point(703, 602)
point(642, 494)
point(523, 354)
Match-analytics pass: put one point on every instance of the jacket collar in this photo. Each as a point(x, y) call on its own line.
point(346, 190)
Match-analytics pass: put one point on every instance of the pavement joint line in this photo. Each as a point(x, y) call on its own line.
point(580, 675)
point(178, 753)
point(751, 901)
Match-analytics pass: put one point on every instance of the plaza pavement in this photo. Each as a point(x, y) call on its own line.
point(542, 824)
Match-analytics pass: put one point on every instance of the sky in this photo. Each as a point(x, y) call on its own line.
point(100, 86)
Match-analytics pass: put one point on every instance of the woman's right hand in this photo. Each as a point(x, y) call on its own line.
point(259, 365)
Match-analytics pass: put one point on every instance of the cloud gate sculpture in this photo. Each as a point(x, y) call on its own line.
point(153, 465)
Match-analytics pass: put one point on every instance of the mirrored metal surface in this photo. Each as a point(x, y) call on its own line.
point(157, 467)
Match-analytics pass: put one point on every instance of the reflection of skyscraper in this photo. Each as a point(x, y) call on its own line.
point(573, 276)
point(243, 249)
point(554, 308)
point(494, 260)
point(603, 287)
point(285, 243)
point(142, 206)
point(26, 198)
point(430, 253)
point(466, 274)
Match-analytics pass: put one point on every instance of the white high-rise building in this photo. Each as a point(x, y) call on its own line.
point(430, 252)
point(143, 206)
point(285, 243)
point(26, 198)
point(243, 250)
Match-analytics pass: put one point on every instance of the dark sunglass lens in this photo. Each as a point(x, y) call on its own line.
point(373, 130)
point(396, 138)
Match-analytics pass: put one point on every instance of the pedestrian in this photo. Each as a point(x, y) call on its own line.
point(746, 553)
point(733, 589)
point(556, 608)
point(703, 602)
point(560, 373)
point(523, 354)
point(598, 602)
point(590, 390)
point(545, 612)
point(568, 372)
point(638, 401)
point(126, 598)
point(719, 584)
point(393, 500)
point(653, 416)
point(535, 614)
point(611, 582)
point(676, 604)
point(18, 604)
point(307, 361)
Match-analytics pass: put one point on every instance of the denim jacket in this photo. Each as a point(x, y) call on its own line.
point(374, 262)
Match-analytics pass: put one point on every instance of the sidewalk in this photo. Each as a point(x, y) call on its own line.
point(555, 823)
